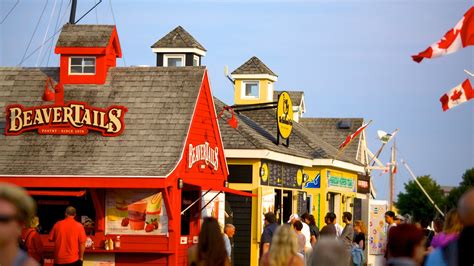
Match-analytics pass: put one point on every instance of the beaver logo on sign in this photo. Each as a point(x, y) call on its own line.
point(285, 115)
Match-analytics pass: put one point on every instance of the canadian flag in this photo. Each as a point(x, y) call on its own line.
point(353, 135)
point(461, 93)
point(458, 37)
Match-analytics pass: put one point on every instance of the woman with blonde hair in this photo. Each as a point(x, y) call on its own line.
point(360, 232)
point(284, 249)
point(31, 240)
point(451, 229)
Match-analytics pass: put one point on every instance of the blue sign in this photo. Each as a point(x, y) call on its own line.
point(315, 183)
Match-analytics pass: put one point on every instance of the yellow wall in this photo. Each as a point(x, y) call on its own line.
point(320, 194)
point(320, 203)
point(256, 205)
point(263, 93)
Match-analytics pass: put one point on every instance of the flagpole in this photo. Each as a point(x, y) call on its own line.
point(469, 73)
point(421, 187)
point(339, 153)
point(392, 178)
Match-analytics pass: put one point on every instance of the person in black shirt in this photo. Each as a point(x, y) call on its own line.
point(359, 233)
point(313, 228)
point(329, 230)
point(268, 231)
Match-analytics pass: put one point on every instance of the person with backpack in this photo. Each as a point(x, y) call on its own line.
point(30, 240)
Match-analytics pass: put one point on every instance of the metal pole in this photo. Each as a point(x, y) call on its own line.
point(421, 187)
point(195, 202)
point(392, 177)
point(72, 16)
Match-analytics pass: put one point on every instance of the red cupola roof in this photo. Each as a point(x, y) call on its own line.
point(87, 52)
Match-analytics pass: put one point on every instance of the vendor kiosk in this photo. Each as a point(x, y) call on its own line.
point(137, 150)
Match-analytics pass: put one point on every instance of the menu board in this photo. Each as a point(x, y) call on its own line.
point(377, 236)
point(135, 212)
point(302, 203)
point(282, 175)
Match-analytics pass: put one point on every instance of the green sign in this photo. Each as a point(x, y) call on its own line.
point(339, 181)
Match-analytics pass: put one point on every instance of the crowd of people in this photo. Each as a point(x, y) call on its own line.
point(300, 242)
point(297, 242)
point(20, 242)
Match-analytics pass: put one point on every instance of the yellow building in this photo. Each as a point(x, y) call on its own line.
point(305, 174)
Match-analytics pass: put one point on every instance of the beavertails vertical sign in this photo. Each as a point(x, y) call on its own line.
point(74, 118)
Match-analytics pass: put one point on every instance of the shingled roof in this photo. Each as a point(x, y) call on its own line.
point(328, 130)
point(73, 35)
point(178, 38)
point(295, 96)
point(160, 104)
point(257, 130)
point(253, 66)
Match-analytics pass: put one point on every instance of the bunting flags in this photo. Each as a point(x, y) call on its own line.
point(459, 94)
point(460, 36)
point(353, 136)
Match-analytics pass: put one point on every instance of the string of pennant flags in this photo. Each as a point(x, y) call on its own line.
point(462, 35)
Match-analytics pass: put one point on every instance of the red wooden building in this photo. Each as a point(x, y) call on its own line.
point(137, 150)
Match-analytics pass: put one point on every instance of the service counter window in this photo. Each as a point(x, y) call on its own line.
point(52, 204)
point(190, 208)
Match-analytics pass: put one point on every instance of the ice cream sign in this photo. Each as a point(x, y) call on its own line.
point(204, 153)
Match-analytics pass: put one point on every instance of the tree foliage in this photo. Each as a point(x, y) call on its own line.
point(414, 202)
point(466, 183)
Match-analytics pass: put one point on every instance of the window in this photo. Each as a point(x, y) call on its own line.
point(173, 60)
point(270, 91)
point(82, 65)
point(251, 89)
point(195, 60)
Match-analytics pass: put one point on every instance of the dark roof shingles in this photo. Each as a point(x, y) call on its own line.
point(295, 96)
point(85, 35)
point(327, 129)
point(253, 66)
point(160, 104)
point(178, 38)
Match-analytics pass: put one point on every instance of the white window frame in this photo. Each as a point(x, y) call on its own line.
point(270, 90)
point(83, 57)
point(180, 56)
point(195, 57)
point(244, 83)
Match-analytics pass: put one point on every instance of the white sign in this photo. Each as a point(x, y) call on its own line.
point(205, 153)
point(216, 208)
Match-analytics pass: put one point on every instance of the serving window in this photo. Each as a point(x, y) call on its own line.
point(52, 204)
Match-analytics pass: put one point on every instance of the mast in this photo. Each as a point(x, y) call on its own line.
point(72, 16)
point(393, 165)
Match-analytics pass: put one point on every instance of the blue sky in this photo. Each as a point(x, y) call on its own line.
point(351, 58)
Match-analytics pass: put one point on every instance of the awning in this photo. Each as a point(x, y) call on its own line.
point(221, 189)
point(57, 193)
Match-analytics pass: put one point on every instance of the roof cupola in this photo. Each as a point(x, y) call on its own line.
point(178, 48)
point(253, 82)
point(87, 52)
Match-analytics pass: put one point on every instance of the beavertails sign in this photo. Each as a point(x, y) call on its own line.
point(74, 118)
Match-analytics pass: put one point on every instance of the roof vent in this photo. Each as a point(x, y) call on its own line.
point(344, 124)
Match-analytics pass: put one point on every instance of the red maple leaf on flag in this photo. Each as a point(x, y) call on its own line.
point(448, 39)
point(456, 95)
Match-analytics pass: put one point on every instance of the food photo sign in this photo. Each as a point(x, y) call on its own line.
point(131, 212)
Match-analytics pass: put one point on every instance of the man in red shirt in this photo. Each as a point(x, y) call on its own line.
point(69, 240)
